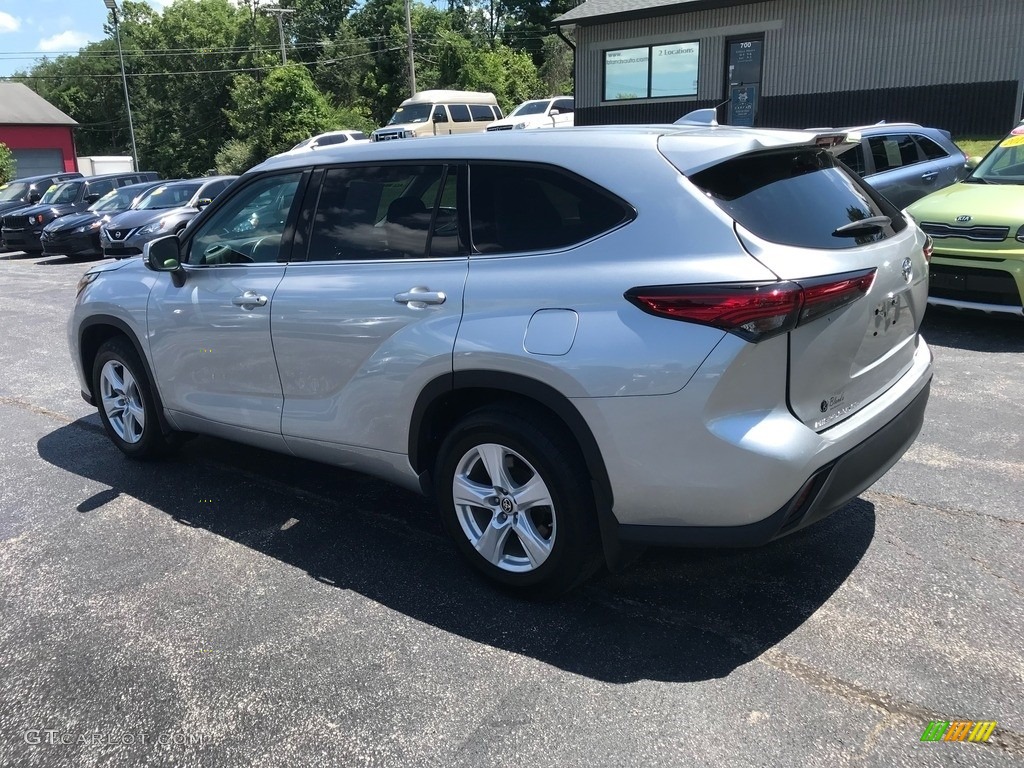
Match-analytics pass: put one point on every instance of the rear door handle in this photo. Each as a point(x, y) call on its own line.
point(249, 300)
point(419, 297)
point(930, 176)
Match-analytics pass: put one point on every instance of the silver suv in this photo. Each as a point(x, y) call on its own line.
point(577, 341)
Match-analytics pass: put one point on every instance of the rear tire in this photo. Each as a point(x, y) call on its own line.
point(516, 499)
point(124, 396)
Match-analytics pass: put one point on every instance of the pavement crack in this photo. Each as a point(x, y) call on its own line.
point(953, 513)
point(1009, 741)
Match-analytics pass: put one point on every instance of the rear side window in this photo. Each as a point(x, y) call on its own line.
point(930, 149)
point(534, 208)
point(460, 113)
point(481, 112)
point(894, 151)
point(797, 196)
point(375, 212)
point(100, 188)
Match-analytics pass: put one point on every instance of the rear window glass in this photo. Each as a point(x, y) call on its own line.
point(796, 197)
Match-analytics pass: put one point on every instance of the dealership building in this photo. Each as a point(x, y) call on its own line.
point(953, 64)
point(40, 136)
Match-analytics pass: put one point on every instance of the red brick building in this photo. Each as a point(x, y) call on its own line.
point(40, 135)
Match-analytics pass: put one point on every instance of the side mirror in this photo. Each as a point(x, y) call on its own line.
point(164, 255)
point(554, 112)
point(202, 202)
point(973, 162)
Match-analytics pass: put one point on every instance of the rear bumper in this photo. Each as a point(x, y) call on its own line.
point(825, 491)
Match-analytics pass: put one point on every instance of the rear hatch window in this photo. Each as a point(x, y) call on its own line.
point(803, 215)
point(798, 196)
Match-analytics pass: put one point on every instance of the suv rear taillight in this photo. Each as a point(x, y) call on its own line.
point(753, 311)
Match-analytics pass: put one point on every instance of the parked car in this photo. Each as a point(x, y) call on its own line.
point(21, 193)
point(556, 112)
point(23, 228)
point(905, 161)
point(78, 234)
point(330, 139)
point(574, 340)
point(440, 113)
point(978, 229)
point(166, 209)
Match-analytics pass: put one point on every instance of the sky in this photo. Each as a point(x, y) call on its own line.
point(30, 29)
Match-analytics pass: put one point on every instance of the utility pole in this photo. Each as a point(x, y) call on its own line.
point(408, 33)
point(112, 7)
point(280, 12)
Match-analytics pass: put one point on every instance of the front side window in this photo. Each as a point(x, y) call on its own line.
point(250, 227)
point(854, 158)
point(375, 212)
point(565, 106)
point(536, 208)
point(651, 72)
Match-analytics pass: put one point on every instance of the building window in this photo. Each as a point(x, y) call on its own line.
point(651, 72)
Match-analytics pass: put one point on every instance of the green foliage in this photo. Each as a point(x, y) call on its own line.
point(207, 88)
point(277, 113)
point(6, 164)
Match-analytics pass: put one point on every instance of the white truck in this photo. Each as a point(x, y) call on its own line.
point(96, 165)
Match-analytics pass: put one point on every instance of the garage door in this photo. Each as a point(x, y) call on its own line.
point(36, 162)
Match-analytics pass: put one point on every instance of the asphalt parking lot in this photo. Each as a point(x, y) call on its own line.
point(231, 607)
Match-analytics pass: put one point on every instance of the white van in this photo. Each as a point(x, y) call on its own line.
point(553, 112)
point(439, 113)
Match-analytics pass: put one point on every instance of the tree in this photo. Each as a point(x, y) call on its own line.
point(277, 113)
point(7, 166)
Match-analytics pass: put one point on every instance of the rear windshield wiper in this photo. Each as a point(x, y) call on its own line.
point(870, 224)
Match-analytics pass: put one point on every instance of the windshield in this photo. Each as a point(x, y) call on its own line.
point(531, 108)
point(50, 193)
point(115, 200)
point(1004, 164)
point(167, 197)
point(65, 193)
point(413, 113)
point(13, 192)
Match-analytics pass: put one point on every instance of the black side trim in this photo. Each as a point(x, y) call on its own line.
point(844, 479)
point(125, 329)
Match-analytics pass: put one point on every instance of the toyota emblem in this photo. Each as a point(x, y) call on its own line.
point(908, 269)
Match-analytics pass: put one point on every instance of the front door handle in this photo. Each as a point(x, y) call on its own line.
point(419, 297)
point(249, 300)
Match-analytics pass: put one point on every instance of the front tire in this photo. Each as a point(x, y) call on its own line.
point(126, 404)
point(517, 501)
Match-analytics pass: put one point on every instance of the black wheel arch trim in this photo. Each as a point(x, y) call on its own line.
point(616, 551)
point(125, 330)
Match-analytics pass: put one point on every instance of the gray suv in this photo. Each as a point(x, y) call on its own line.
point(577, 342)
point(905, 161)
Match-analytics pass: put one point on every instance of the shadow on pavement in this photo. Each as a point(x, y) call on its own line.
point(674, 615)
point(974, 331)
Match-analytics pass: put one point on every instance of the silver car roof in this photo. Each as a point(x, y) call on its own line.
point(693, 147)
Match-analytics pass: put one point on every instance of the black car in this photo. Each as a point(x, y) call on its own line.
point(21, 193)
point(78, 234)
point(22, 228)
